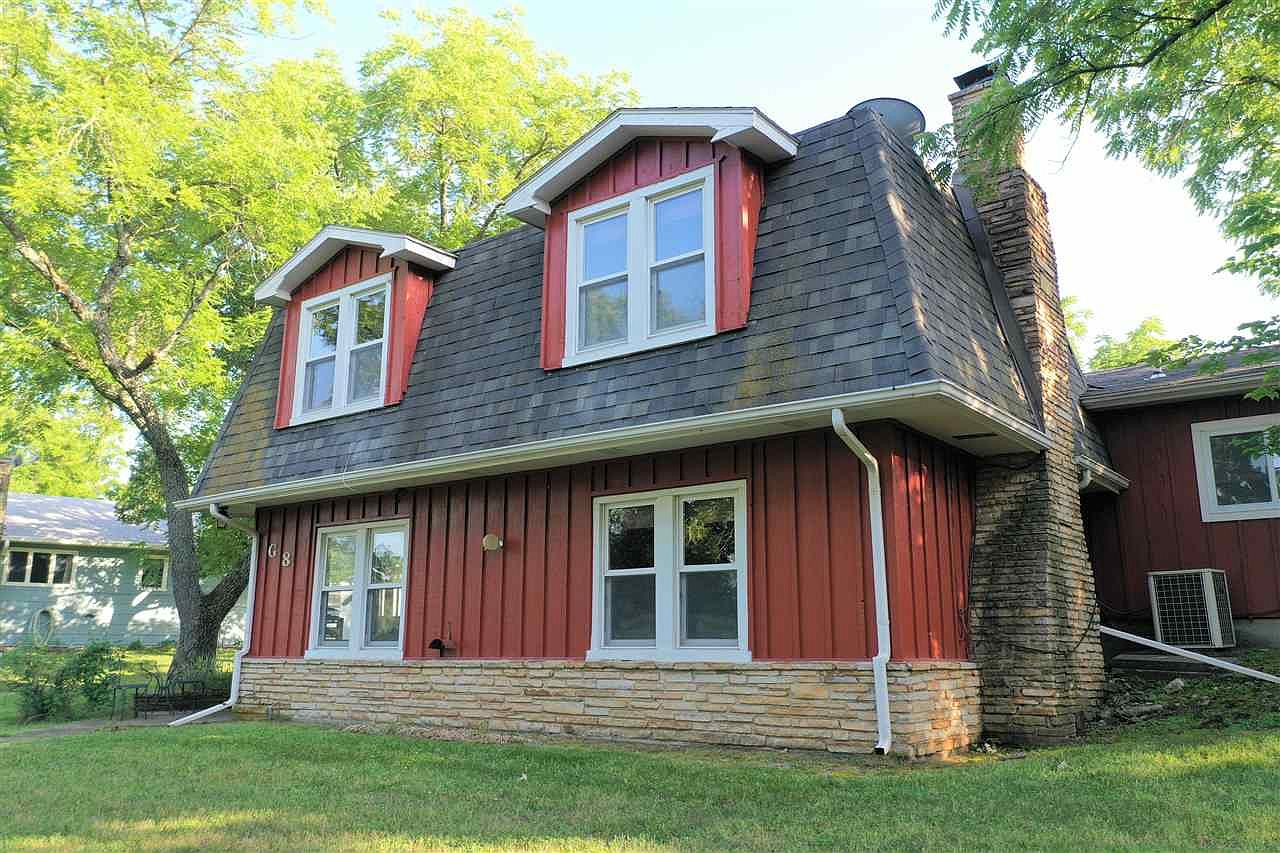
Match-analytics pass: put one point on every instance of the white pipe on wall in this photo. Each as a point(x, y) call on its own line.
point(879, 663)
point(1187, 653)
point(248, 619)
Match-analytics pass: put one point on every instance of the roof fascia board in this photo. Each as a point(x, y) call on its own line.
point(1102, 475)
point(22, 542)
point(279, 286)
point(1173, 392)
point(746, 127)
point(894, 402)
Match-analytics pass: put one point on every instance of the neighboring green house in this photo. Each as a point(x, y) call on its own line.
point(72, 572)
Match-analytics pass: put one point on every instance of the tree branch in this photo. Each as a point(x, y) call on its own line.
point(201, 297)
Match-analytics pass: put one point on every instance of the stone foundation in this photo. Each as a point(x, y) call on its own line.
point(819, 705)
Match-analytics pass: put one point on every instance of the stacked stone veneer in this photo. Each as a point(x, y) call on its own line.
point(1033, 610)
point(819, 705)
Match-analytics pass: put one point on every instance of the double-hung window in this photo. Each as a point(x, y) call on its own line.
point(39, 568)
point(670, 575)
point(1238, 477)
point(641, 269)
point(154, 574)
point(342, 350)
point(359, 595)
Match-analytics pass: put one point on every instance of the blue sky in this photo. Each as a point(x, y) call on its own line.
point(1129, 244)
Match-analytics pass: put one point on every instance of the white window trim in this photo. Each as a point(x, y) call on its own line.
point(53, 559)
point(356, 648)
point(1210, 510)
point(638, 205)
point(667, 539)
point(345, 298)
point(164, 575)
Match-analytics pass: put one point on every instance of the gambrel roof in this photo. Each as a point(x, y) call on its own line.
point(865, 282)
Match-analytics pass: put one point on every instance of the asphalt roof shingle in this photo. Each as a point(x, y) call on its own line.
point(864, 279)
point(73, 521)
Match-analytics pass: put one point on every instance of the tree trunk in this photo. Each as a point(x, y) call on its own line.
point(200, 615)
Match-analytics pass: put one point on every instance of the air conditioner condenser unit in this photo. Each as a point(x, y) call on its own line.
point(1191, 608)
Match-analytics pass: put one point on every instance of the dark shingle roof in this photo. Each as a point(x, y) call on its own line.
point(864, 279)
point(73, 521)
point(1123, 387)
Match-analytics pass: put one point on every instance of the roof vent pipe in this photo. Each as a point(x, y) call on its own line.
point(902, 117)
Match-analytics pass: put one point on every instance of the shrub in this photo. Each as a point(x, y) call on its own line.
point(93, 669)
point(135, 646)
point(40, 682)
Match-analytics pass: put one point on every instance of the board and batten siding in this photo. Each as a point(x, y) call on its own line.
point(1155, 524)
point(809, 560)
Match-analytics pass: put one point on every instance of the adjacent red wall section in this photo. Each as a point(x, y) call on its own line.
point(739, 195)
point(410, 294)
point(1155, 524)
point(809, 583)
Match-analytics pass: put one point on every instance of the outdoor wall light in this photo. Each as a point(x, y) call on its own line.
point(491, 542)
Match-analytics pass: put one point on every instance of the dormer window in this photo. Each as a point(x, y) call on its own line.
point(640, 273)
point(342, 352)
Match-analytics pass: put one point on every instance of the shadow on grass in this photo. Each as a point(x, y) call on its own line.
point(244, 786)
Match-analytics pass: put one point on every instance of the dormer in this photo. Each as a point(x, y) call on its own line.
point(353, 302)
point(650, 222)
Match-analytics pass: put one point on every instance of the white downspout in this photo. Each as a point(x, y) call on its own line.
point(879, 663)
point(248, 619)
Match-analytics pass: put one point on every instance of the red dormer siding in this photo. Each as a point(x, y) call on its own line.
point(739, 195)
point(411, 290)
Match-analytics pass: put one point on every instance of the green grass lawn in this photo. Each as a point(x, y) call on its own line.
point(292, 787)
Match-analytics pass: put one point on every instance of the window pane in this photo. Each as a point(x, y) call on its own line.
point(62, 568)
point(369, 313)
point(336, 607)
point(17, 567)
point(388, 557)
point(366, 373)
point(1239, 476)
point(602, 315)
point(382, 616)
point(318, 391)
point(679, 295)
point(152, 574)
point(709, 605)
point(40, 568)
point(324, 332)
point(339, 559)
point(629, 608)
point(631, 537)
point(604, 247)
point(677, 225)
point(708, 531)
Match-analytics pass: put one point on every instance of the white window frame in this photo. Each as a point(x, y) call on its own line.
point(356, 646)
point(31, 551)
point(639, 208)
point(1210, 510)
point(668, 547)
point(164, 574)
point(345, 299)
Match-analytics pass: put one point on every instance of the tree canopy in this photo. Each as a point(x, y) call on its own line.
point(1189, 88)
point(150, 177)
point(1137, 347)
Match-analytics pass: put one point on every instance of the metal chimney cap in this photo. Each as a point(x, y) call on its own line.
point(974, 76)
point(903, 117)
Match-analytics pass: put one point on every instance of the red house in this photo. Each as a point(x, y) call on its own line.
point(745, 437)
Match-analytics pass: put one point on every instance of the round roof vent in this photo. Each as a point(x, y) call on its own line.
point(903, 117)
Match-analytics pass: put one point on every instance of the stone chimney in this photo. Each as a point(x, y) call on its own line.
point(1033, 612)
point(6, 472)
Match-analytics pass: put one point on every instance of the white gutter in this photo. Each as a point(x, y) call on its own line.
point(1196, 656)
point(704, 429)
point(248, 619)
point(879, 663)
point(1172, 391)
